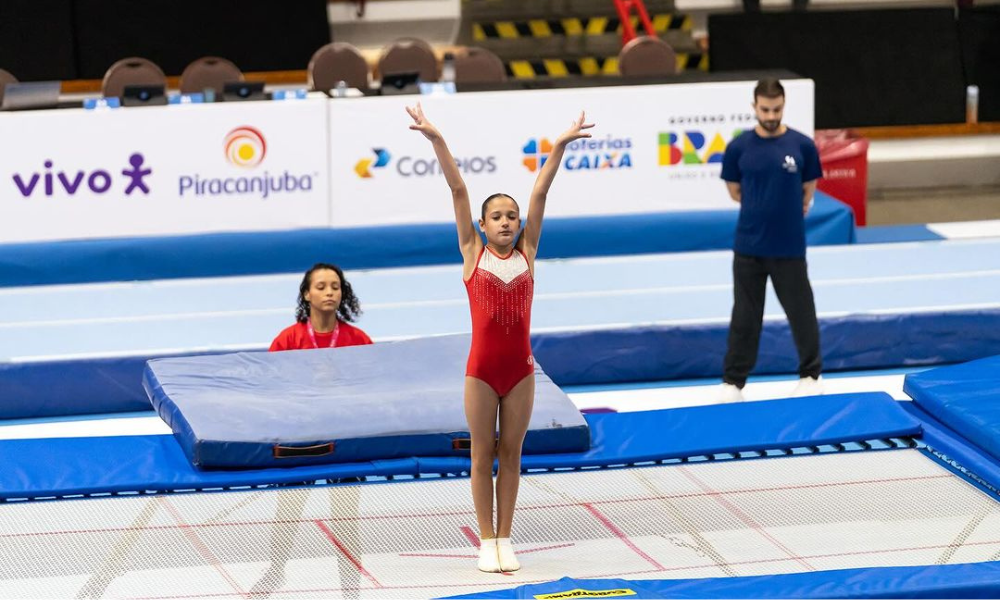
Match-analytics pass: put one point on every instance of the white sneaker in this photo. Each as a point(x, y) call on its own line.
point(508, 561)
point(489, 561)
point(808, 387)
point(729, 393)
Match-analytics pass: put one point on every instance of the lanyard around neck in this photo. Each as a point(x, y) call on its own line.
point(333, 338)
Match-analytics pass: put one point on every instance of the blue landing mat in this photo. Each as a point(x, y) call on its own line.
point(340, 405)
point(964, 397)
point(978, 580)
point(42, 468)
point(622, 354)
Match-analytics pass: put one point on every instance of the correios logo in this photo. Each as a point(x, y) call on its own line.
point(55, 181)
point(245, 147)
point(582, 155)
point(692, 147)
point(364, 166)
point(415, 166)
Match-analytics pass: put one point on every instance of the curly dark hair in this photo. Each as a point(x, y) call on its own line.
point(492, 197)
point(349, 308)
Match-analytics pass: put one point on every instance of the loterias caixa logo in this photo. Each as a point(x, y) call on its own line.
point(609, 152)
point(57, 180)
point(245, 148)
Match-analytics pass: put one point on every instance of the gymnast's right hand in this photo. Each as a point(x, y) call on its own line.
point(421, 124)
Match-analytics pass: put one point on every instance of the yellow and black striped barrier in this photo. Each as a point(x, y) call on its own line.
point(572, 26)
point(588, 66)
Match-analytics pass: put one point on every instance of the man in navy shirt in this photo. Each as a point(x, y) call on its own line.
point(771, 171)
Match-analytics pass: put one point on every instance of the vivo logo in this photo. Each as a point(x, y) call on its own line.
point(99, 181)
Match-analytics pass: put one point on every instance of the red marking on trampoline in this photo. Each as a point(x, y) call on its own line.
point(744, 518)
point(201, 547)
point(470, 535)
point(466, 556)
point(465, 513)
point(618, 533)
point(347, 553)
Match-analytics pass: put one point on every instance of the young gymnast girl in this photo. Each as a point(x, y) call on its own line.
point(500, 373)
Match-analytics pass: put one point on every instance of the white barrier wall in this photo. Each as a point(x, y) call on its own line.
point(654, 149)
point(163, 170)
point(348, 162)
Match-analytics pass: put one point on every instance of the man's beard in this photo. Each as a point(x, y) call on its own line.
point(770, 126)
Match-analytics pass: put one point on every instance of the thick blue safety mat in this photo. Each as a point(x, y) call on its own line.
point(688, 351)
point(129, 259)
point(359, 403)
point(625, 354)
point(964, 397)
point(43, 468)
point(977, 580)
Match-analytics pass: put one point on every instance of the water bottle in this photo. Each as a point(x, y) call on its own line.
point(972, 104)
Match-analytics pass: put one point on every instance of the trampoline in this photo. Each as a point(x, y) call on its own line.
point(416, 539)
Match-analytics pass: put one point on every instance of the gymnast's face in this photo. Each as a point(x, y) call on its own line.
point(769, 112)
point(502, 222)
point(324, 291)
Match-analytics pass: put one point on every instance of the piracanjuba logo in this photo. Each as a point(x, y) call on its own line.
point(51, 182)
point(245, 147)
point(363, 167)
point(587, 154)
point(692, 147)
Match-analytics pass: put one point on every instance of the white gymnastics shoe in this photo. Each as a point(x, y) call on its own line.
point(729, 393)
point(489, 562)
point(508, 562)
point(808, 386)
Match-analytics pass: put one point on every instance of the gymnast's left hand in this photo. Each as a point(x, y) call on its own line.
point(578, 130)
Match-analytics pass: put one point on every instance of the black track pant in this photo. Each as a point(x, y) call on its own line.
point(791, 284)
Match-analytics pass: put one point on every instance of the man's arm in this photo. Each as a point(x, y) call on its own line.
point(808, 189)
point(735, 191)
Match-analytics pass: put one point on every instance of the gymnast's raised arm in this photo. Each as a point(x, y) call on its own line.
point(468, 240)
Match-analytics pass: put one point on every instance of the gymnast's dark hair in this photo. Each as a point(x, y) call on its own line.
point(349, 308)
point(494, 197)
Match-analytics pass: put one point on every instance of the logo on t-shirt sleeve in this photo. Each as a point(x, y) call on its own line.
point(789, 166)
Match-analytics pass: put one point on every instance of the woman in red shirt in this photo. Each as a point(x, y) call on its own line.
point(326, 306)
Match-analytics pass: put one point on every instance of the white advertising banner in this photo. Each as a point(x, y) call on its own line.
point(178, 169)
point(655, 148)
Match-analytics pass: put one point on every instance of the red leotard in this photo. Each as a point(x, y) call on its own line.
point(500, 291)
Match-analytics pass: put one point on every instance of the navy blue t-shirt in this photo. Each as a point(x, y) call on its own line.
point(771, 172)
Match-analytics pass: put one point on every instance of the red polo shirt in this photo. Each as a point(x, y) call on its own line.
point(296, 337)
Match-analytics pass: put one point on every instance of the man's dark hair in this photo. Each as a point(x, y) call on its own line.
point(349, 308)
point(769, 87)
point(486, 203)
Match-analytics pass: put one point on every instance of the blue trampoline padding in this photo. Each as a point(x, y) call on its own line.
point(358, 403)
point(40, 468)
point(974, 580)
point(964, 397)
point(251, 253)
point(943, 445)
